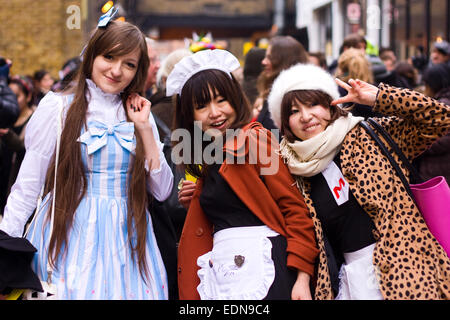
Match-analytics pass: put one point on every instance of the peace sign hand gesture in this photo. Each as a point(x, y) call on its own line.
point(358, 92)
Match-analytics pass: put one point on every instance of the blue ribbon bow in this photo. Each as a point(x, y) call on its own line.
point(107, 17)
point(96, 136)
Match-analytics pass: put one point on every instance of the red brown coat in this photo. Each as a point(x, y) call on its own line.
point(273, 198)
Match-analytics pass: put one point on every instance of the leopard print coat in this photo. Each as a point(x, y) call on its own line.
point(409, 262)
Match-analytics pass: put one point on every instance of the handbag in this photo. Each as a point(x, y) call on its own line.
point(432, 197)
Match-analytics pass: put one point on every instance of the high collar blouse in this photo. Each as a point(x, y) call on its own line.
point(40, 142)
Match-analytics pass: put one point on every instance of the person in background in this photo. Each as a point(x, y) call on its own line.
point(353, 64)
point(282, 52)
point(9, 141)
point(22, 87)
point(247, 233)
point(376, 233)
point(153, 68)
point(9, 108)
point(169, 214)
point(353, 40)
point(391, 76)
point(435, 161)
point(440, 52)
point(409, 73)
point(67, 74)
point(357, 41)
point(318, 59)
point(389, 59)
point(162, 106)
point(252, 70)
point(43, 83)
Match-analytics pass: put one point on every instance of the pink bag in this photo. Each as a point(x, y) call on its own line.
point(433, 199)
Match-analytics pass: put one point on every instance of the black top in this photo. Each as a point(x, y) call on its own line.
point(348, 227)
point(221, 205)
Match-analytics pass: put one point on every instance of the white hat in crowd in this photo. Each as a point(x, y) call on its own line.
point(299, 77)
point(202, 60)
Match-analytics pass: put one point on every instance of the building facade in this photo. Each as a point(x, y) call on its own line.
point(407, 26)
point(41, 34)
point(233, 21)
point(417, 24)
point(329, 21)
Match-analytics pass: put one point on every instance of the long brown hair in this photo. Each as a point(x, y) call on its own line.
point(196, 91)
point(117, 39)
point(285, 52)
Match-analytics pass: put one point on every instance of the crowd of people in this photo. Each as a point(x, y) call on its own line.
point(283, 196)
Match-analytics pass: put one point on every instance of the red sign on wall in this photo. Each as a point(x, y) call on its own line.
point(353, 13)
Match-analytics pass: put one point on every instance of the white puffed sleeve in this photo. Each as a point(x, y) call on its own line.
point(40, 142)
point(159, 181)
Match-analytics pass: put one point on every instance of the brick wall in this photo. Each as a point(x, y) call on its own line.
point(210, 7)
point(36, 34)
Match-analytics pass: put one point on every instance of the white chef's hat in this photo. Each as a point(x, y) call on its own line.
point(202, 60)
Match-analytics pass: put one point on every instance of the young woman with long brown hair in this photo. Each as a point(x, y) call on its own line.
point(102, 244)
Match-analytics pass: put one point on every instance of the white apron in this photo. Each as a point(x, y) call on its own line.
point(240, 265)
point(358, 280)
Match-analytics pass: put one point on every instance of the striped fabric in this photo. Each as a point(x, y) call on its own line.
point(98, 262)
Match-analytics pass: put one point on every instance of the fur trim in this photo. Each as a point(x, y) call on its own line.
point(299, 77)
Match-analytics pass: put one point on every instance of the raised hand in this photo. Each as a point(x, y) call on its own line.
point(358, 91)
point(138, 109)
point(186, 192)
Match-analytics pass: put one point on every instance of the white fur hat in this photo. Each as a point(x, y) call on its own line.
point(202, 60)
point(299, 77)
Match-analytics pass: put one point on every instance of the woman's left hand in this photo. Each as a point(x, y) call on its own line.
point(301, 290)
point(358, 91)
point(138, 109)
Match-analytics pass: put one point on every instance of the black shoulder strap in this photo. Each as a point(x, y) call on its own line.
point(162, 125)
point(386, 152)
point(414, 174)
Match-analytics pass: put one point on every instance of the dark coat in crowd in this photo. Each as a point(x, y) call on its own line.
point(9, 109)
point(252, 69)
point(436, 160)
point(162, 108)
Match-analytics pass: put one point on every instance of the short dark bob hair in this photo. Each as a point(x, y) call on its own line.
point(309, 98)
point(196, 91)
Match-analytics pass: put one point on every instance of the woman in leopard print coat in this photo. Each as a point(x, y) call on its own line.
point(357, 201)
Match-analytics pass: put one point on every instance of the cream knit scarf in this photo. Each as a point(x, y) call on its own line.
point(310, 157)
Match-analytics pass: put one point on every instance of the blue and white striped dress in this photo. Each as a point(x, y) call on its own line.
point(97, 263)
